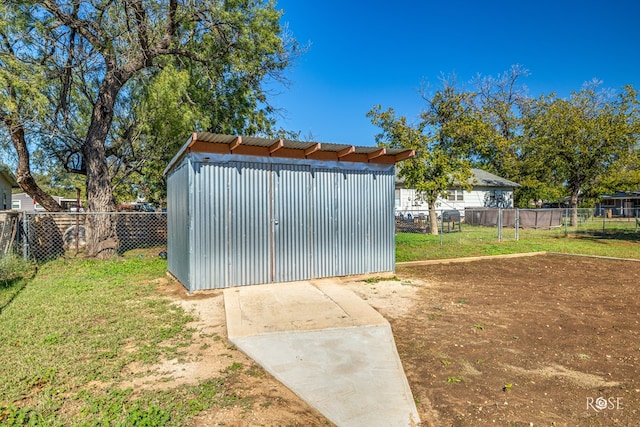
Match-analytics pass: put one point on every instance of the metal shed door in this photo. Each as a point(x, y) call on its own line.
point(291, 223)
point(249, 226)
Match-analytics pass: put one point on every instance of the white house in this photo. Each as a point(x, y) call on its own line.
point(24, 202)
point(620, 204)
point(7, 182)
point(488, 190)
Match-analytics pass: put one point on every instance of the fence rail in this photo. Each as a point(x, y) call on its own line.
point(42, 236)
point(509, 222)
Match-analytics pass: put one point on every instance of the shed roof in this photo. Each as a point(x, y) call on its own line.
point(206, 142)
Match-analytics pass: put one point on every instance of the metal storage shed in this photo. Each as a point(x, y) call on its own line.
point(247, 210)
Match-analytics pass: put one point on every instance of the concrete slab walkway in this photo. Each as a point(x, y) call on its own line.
point(328, 346)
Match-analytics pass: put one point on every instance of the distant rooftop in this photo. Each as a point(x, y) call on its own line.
point(487, 179)
point(482, 178)
point(6, 172)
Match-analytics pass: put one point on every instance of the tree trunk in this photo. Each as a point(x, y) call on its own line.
point(433, 218)
point(102, 239)
point(23, 174)
point(574, 207)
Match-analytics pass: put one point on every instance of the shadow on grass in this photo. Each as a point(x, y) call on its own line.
point(630, 236)
point(17, 274)
point(9, 290)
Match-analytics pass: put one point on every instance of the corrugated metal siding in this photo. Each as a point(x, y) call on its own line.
point(210, 208)
point(250, 226)
point(324, 208)
point(261, 222)
point(178, 222)
point(353, 230)
point(291, 223)
point(383, 239)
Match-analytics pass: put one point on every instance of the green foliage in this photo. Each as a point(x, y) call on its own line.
point(14, 274)
point(499, 101)
point(113, 101)
point(12, 416)
point(13, 268)
point(587, 141)
point(381, 279)
point(441, 141)
point(585, 145)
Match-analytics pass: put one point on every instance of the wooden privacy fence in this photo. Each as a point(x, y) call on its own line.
point(8, 230)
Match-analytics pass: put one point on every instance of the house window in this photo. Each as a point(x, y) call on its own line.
point(608, 202)
point(454, 195)
point(15, 205)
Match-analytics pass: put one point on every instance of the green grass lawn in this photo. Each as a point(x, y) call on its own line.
point(67, 334)
point(68, 330)
point(617, 241)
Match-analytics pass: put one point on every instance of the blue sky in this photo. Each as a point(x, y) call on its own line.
point(364, 53)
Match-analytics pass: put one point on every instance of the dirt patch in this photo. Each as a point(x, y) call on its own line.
point(544, 340)
point(261, 399)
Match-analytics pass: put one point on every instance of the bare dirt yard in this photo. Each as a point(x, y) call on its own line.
point(548, 340)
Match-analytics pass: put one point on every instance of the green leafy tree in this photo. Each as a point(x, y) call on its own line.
point(441, 141)
point(21, 101)
point(94, 54)
point(502, 102)
point(499, 101)
point(587, 141)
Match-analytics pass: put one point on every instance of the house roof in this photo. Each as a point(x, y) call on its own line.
point(622, 195)
point(8, 175)
point(480, 178)
point(206, 142)
point(486, 179)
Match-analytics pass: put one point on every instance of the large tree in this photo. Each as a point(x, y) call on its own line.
point(588, 141)
point(502, 102)
point(94, 54)
point(441, 140)
point(21, 101)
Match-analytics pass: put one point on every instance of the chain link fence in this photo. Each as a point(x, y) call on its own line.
point(49, 235)
point(515, 224)
point(42, 236)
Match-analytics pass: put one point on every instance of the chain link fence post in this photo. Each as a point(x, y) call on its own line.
point(25, 233)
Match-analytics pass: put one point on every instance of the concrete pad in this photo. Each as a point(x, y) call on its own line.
point(328, 346)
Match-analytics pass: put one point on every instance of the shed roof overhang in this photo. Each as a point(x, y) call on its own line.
point(205, 142)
